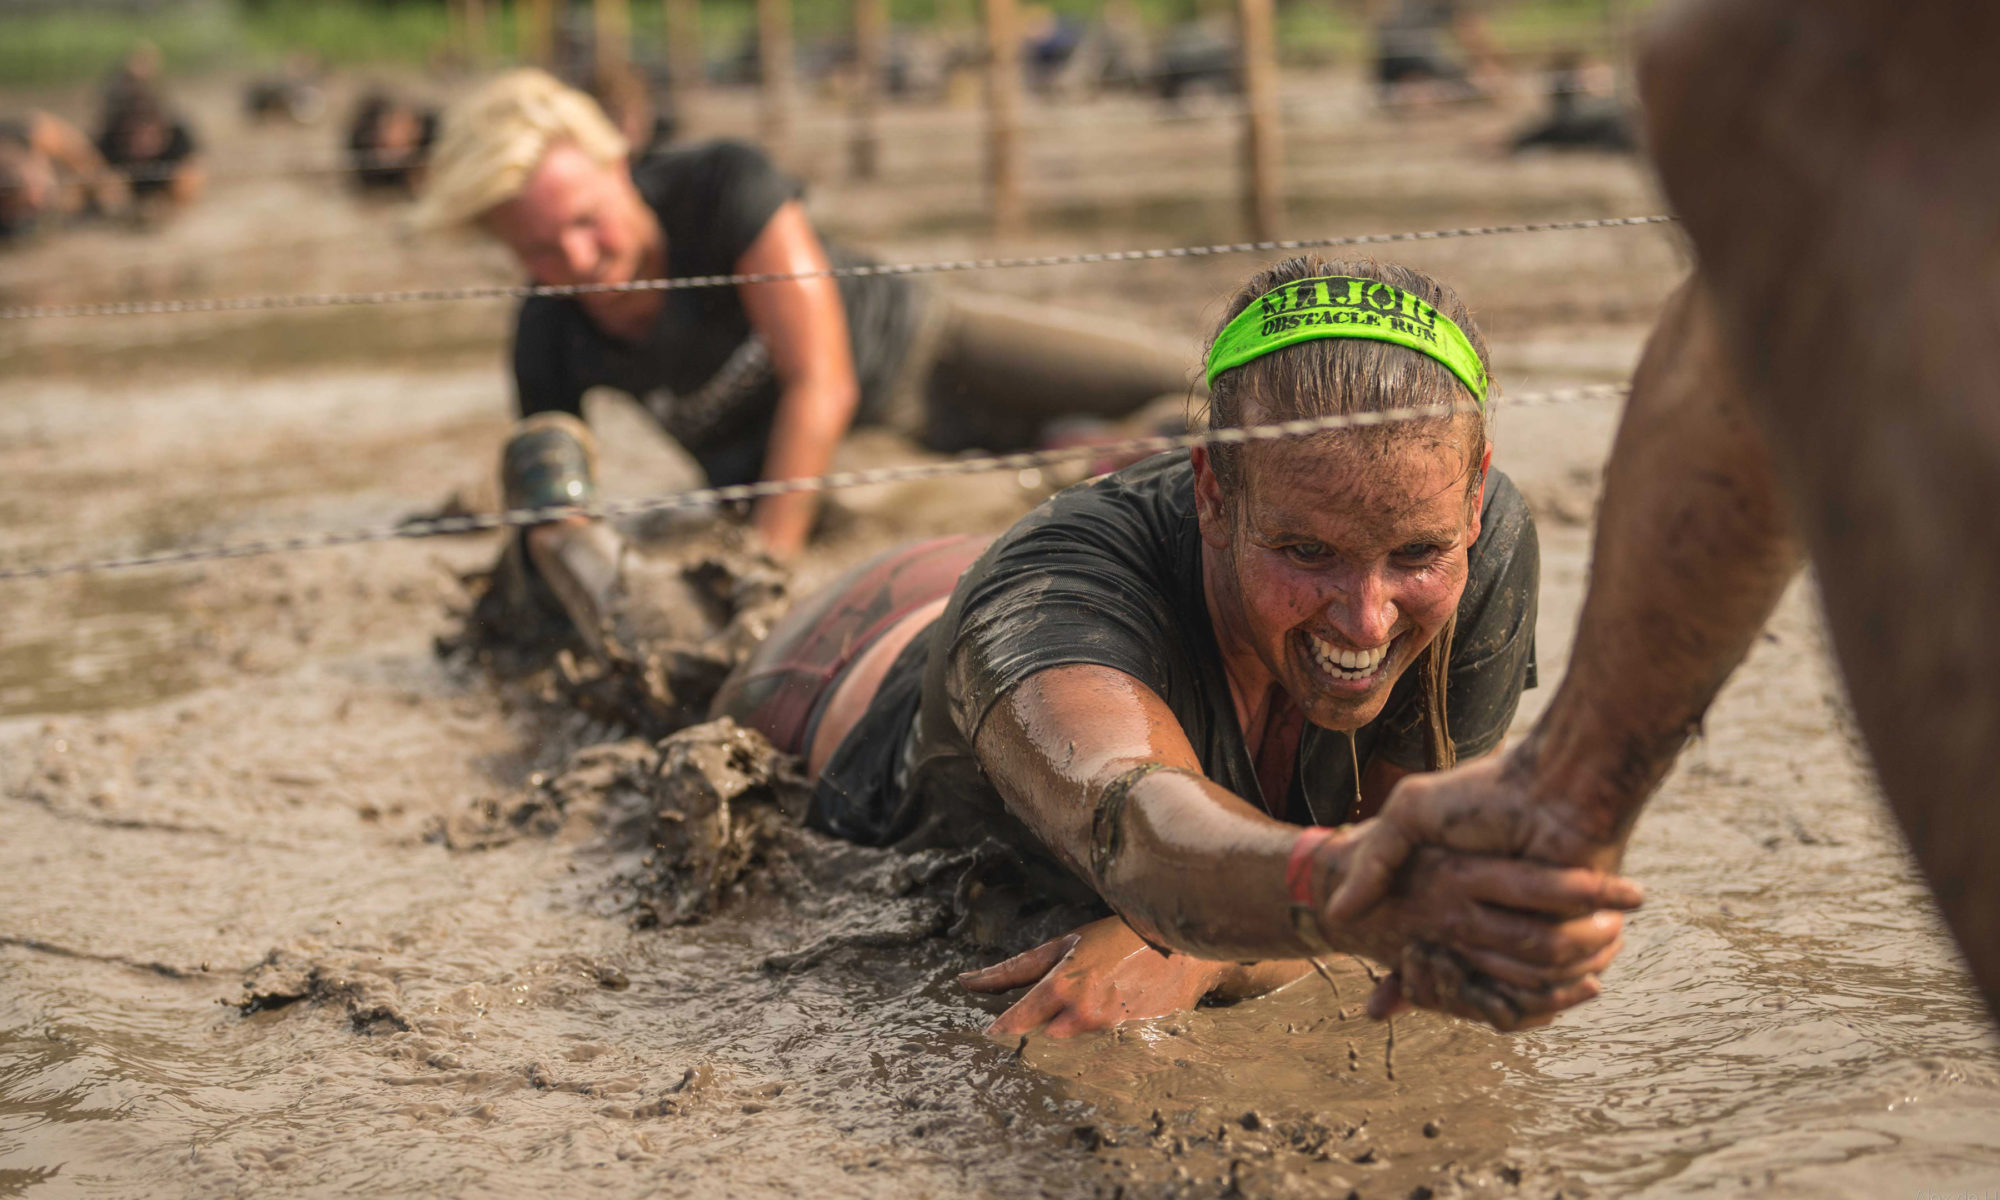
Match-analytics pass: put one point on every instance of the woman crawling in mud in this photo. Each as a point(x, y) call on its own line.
point(1176, 689)
point(755, 381)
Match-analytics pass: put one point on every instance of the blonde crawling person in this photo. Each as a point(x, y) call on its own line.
point(758, 380)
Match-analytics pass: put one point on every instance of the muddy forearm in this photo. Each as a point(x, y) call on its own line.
point(1077, 752)
point(1694, 548)
point(1194, 869)
point(813, 415)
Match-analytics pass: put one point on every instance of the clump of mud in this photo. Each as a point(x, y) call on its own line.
point(723, 801)
point(291, 974)
point(664, 643)
point(713, 818)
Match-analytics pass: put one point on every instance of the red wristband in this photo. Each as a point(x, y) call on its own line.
point(1298, 868)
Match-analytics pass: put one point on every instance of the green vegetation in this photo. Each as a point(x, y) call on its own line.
point(70, 42)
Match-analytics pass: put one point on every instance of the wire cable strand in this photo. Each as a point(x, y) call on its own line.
point(701, 498)
point(524, 291)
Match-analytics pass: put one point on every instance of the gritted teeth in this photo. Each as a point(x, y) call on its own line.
point(1353, 664)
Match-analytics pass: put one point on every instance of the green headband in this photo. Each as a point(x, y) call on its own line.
point(1337, 306)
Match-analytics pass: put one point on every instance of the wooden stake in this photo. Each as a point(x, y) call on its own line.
point(1262, 202)
point(1003, 114)
point(475, 31)
point(535, 32)
point(613, 29)
point(871, 44)
point(684, 57)
point(774, 67)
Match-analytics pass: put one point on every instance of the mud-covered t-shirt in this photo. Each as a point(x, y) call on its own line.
point(699, 370)
point(1109, 573)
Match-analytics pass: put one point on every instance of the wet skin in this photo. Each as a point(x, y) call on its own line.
point(1360, 549)
point(579, 221)
point(1359, 540)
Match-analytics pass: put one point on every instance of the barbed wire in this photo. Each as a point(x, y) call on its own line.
point(704, 498)
point(679, 283)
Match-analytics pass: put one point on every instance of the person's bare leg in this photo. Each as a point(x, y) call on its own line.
point(1837, 163)
point(863, 679)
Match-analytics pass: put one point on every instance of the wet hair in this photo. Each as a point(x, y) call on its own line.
point(1339, 376)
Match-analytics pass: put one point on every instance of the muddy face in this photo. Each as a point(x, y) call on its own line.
point(579, 221)
point(1338, 562)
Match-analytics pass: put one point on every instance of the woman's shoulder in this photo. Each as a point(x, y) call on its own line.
point(1132, 514)
point(1503, 573)
point(713, 200)
point(1506, 526)
point(706, 172)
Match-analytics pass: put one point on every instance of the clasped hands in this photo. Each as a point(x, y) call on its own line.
point(1482, 903)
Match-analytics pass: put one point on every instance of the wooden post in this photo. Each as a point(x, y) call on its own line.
point(535, 31)
point(684, 57)
point(1003, 114)
point(613, 33)
point(1262, 203)
point(871, 37)
point(475, 31)
point(774, 71)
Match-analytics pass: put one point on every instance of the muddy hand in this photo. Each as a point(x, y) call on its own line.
point(1092, 979)
point(1485, 807)
point(1444, 980)
point(1504, 941)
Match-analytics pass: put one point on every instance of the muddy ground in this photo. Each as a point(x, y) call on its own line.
point(267, 921)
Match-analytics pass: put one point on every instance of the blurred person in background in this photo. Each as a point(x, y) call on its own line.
point(756, 380)
point(49, 172)
point(144, 140)
point(293, 94)
point(1584, 112)
point(389, 141)
point(1412, 62)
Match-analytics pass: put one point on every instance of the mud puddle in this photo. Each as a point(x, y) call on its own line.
point(122, 644)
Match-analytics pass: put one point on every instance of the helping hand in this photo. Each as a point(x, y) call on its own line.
point(1508, 940)
point(1484, 807)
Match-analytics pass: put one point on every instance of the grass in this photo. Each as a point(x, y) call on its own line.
point(65, 43)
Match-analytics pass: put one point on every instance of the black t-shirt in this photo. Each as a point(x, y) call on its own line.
point(1109, 573)
point(150, 173)
point(1417, 28)
point(713, 201)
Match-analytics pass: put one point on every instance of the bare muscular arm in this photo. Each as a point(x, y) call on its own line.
point(804, 326)
point(1195, 868)
point(1054, 745)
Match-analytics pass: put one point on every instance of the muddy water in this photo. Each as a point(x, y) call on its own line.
point(259, 769)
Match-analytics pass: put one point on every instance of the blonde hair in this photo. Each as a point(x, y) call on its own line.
point(493, 139)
